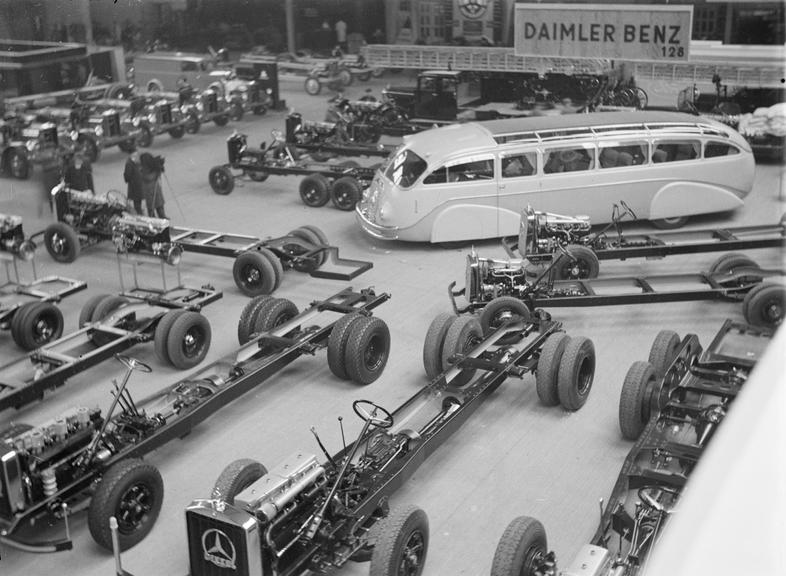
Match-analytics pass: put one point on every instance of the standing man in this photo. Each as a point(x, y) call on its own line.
point(79, 175)
point(132, 174)
point(152, 167)
point(341, 35)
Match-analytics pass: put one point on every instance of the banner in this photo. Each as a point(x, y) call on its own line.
point(616, 31)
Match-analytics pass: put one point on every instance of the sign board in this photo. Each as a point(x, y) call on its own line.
point(616, 31)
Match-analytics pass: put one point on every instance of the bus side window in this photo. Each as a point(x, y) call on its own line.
point(676, 151)
point(518, 165)
point(714, 149)
point(438, 176)
point(569, 160)
point(478, 170)
point(627, 155)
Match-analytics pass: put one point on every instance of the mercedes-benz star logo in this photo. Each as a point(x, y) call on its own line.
point(472, 8)
point(218, 549)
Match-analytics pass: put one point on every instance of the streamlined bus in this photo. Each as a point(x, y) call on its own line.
point(470, 181)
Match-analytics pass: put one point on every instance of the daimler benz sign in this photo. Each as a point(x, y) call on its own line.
point(616, 31)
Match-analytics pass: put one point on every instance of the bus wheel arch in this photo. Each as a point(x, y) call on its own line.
point(463, 222)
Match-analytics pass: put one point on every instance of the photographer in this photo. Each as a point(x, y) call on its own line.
point(151, 168)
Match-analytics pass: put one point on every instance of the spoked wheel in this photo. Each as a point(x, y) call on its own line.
point(62, 242)
point(402, 543)
point(522, 549)
point(582, 263)
point(221, 180)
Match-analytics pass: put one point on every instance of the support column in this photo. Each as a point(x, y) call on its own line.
point(290, 16)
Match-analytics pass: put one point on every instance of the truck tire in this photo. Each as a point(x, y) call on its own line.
point(145, 137)
point(368, 348)
point(345, 193)
point(635, 405)
point(312, 86)
point(254, 274)
point(236, 477)
point(547, 373)
point(89, 148)
point(188, 340)
point(729, 263)
point(62, 242)
point(315, 190)
point(663, 351)
point(248, 317)
point(257, 175)
point(584, 264)
point(107, 306)
point(221, 120)
point(520, 549)
point(86, 314)
point(763, 305)
point(274, 313)
point(462, 335)
point(402, 543)
point(576, 373)
point(311, 235)
point(501, 310)
point(132, 491)
point(177, 132)
point(337, 344)
point(35, 324)
point(221, 180)
point(434, 342)
point(278, 268)
point(161, 335)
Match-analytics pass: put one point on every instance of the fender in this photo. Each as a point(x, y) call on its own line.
point(462, 221)
point(684, 199)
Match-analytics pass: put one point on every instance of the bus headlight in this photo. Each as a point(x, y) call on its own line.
point(99, 131)
point(31, 145)
point(151, 117)
point(173, 254)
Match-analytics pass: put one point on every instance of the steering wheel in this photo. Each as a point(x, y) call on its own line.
point(360, 408)
point(628, 209)
point(653, 496)
point(133, 363)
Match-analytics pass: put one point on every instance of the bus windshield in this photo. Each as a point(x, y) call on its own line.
point(405, 168)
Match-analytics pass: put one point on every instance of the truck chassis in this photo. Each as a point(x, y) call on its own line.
point(304, 516)
point(503, 288)
point(542, 231)
point(672, 409)
point(105, 450)
point(110, 324)
point(341, 183)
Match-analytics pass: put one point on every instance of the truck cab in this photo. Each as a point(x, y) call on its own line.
point(435, 97)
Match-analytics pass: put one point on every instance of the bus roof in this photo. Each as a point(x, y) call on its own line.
point(490, 133)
